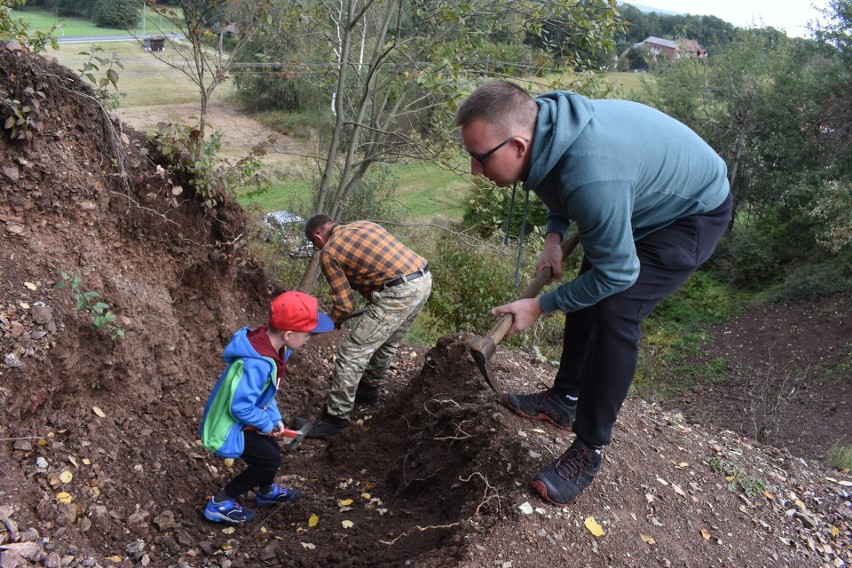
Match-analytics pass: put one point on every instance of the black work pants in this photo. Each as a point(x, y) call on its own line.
point(600, 347)
point(263, 456)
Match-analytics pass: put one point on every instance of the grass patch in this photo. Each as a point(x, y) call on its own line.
point(671, 357)
point(737, 477)
point(41, 20)
point(629, 83)
point(424, 190)
point(145, 81)
point(839, 457)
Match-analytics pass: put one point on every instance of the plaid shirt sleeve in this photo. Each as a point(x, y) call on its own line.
point(341, 292)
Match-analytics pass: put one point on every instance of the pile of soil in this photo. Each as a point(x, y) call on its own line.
point(101, 462)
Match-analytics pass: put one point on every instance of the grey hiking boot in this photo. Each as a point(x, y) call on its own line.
point(564, 479)
point(546, 405)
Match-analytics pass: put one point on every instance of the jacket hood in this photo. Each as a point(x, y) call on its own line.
point(240, 347)
point(562, 115)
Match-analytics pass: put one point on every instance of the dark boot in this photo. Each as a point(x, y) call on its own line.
point(564, 479)
point(327, 426)
point(546, 405)
point(367, 394)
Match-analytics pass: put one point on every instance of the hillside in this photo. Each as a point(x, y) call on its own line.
point(99, 452)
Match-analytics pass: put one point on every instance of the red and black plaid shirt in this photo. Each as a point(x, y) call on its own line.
point(363, 256)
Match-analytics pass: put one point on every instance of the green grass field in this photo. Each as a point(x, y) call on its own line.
point(42, 20)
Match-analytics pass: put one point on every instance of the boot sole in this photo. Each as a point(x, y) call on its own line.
point(541, 416)
point(541, 489)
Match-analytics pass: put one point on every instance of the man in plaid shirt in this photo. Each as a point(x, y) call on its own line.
point(362, 256)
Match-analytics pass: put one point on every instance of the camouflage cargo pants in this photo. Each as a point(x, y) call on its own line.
point(365, 354)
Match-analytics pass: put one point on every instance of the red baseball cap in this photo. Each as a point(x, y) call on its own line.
point(297, 311)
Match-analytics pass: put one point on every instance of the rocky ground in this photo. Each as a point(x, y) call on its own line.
point(99, 449)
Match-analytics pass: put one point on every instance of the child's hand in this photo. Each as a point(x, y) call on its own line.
point(278, 431)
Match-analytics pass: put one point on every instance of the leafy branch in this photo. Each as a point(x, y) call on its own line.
point(103, 320)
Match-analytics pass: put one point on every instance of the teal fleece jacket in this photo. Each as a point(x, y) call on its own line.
point(620, 170)
point(243, 396)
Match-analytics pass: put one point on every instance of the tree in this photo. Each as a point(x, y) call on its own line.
point(217, 31)
point(391, 72)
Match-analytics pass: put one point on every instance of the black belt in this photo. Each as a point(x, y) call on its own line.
point(407, 278)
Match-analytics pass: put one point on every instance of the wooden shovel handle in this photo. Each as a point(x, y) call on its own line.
point(504, 322)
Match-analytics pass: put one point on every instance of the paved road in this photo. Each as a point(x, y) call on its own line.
point(106, 38)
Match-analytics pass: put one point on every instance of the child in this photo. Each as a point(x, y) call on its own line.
point(241, 418)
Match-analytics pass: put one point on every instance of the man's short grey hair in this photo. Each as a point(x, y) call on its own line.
point(502, 104)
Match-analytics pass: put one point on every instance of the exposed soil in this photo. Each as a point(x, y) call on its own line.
point(100, 459)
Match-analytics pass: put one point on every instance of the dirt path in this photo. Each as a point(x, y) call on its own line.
point(240, 133)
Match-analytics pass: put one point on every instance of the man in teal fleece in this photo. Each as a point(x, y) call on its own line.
point(650, 200)
point(241, 418)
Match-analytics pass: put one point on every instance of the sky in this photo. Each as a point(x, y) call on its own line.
point(791, 16)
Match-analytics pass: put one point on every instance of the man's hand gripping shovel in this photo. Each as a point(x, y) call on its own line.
point(483, 348)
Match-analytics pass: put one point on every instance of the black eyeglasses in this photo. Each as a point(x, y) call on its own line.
point(482, 157)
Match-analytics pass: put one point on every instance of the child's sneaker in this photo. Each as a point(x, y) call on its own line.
point(227, 512)
point(277, 496)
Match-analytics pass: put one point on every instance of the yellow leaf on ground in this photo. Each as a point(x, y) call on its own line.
point(115, 558)
point(30, 286)
point(24, 305)
point(705, 534)
point(593, 526)
point(647, 539)
point(365, 496)
point(99, 412)
point(66, 476)
point(344, 503)
point(227, 547)
point(313, 521)
point(229, 462)
point(229, 530)
point(347, 524)
point(63, 497)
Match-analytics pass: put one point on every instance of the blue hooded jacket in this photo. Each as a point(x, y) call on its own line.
point(620, 170)
point(243, 396)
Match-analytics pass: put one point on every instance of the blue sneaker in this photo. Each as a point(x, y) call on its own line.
point(227, 512)
point(277, 496)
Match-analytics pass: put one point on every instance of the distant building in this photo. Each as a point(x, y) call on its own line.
point(658, 46)
point(672, 50)
point(691, 48)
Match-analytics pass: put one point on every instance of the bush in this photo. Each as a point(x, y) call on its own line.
point(280, 91)
point(813, 281)
point(487, 210)
point(122, 14)
point(374, 198)
point(468, 282)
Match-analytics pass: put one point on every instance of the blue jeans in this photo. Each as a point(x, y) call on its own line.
point(601, 343)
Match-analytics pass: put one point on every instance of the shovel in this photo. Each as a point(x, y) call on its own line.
point(297, 430)
point(483, 348)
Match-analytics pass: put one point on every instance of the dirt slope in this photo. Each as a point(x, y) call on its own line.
point(100, 461)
